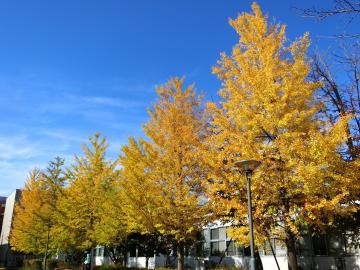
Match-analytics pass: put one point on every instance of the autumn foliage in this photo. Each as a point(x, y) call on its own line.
point(181, 175)
point(163, 180)
point(269, 112)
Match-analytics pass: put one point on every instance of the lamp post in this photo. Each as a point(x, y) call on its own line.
point(247, 167)
point(47, 245)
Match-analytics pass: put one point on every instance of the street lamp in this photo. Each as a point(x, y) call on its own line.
point(247, 167)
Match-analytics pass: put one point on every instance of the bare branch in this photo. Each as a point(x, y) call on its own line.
point(341, 7)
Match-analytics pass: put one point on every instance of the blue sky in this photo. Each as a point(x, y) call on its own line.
point(70, 68)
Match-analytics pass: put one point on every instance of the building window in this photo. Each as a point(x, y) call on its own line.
point(218, 241)
point(214, 248)
point(247, 251)
point(206, 243)
point(303, 245)
point(133, 251)
point(231, 248)
point(320, 245)
point(99, 252)
point(222, 233)
point(221, 244)
point(336, 245)
point(214, 234)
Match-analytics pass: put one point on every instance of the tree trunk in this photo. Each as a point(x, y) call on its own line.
point(147, 263)
point(289, 235)
point(180, 255)
point(291, 251)
point(92, 259)
point(259, 265)
point(125, 259)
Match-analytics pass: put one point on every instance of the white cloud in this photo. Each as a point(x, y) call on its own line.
point(17, 147)
point(19, 154)
point(114, 102)
point(14, 174)
point(65, 135)
point(44, 117)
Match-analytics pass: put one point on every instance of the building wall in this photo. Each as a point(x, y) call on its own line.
point(2, 211)
point(7, 257)
point(322, 253)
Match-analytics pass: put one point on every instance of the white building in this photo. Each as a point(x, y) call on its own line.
point(323, 253)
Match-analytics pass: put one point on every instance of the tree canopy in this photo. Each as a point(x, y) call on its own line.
point(269, 112)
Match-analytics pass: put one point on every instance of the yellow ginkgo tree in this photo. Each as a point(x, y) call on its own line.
point(88, 199)
point(29, 231)
point(164, 182)
point(35, 213)
point(268, 112)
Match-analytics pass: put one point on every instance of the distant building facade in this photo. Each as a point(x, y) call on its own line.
point(313, 253)
point(2, 211)
point(8, 257)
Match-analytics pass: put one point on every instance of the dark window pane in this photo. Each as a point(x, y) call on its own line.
point(141, 252)
point(320, 245)
point(247, 251)
point(336, 245)
point(215, 249)
point(231, 248)
point(132, 252)
point(239, 250)
point(214, 234)
point(303, 246)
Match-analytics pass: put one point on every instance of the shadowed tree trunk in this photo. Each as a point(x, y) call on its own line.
point(290, 247)
point(259, 265)
point(180, 255)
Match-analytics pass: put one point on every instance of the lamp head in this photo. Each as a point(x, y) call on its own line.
point(247, 165)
